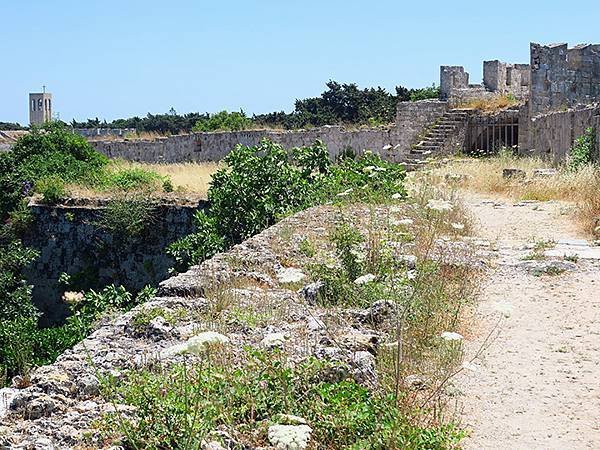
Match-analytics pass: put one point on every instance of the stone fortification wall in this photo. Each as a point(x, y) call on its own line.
point(451, 78)
point(563, 77)
point(504, 78)
point(499, 78)
point(552, 135)
point(391, 143)
point(103, 132)
point(70, 240)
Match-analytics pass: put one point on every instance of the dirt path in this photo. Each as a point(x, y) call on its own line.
point(537, 386)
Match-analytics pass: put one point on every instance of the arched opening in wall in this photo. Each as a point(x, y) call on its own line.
point(487, 135)
point(33, 105)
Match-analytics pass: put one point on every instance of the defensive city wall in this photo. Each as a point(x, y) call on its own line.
point(390, 142)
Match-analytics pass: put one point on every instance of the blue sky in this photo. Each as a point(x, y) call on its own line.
point(111, 59)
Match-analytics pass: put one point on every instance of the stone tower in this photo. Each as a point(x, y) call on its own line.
point(40, 108)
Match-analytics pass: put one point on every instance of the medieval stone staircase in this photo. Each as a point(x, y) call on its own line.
point(434, 141)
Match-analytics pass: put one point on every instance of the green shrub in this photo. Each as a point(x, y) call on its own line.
point(133, 179)
point(261, 184)
point(127, 218)
point(178, 407)
point(582, 151)
point(24, 345)
point(366, 178)
point(427, 93)
point(46, 153)
point(15, 294)
point(202, 244)
point(52, 189)
point(224, 121)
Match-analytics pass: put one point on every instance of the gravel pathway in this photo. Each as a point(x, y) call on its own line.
point(537, 385)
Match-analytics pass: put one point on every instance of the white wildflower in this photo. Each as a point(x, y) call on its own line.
point(345, 193)
point(386, 147)
point(72, 297)
point(289, 437)
point(368, 169)
point(411, 274)
point(379, 169)
point(201, 342)
point(359, 255)
point(397, 196)
point(439, 205)
point(451, 336)
point(290, 275)
point(402, 222)
point(458, 226)
point(273, 340)
point(365, 279)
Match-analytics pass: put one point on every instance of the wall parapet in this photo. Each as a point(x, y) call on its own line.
point(551, 135)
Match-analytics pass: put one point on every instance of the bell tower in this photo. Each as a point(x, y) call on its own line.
point(40, 107)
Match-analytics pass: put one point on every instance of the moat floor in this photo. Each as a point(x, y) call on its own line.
point(536, 384)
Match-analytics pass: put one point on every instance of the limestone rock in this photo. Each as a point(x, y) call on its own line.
point(311, 292)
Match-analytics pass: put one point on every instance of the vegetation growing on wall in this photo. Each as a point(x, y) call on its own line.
point(261, 184)
point(582, 151)
point(44, 161)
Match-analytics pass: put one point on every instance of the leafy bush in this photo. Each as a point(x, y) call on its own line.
point(366, 178)
point(203, 243)
point(179, 407)
point(127, 218)
point(46, 154)
point(52, 189)
point(224, 121)
point(432, 92)
point(582, 151)
point(15, 294)
point(132, 179)
point(24, 345)
point(261, 184)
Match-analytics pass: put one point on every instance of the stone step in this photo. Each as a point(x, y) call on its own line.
point(425, 148)
point(420, 154)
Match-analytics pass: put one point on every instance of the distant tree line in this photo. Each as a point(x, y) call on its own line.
point(340, 104)
point(6, 126)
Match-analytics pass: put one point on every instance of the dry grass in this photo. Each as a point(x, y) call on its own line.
point(581, 187)
point(491, 104)
point(190, 180)
point(188, 177)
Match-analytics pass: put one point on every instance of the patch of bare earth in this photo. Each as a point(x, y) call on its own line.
point(537, 383)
